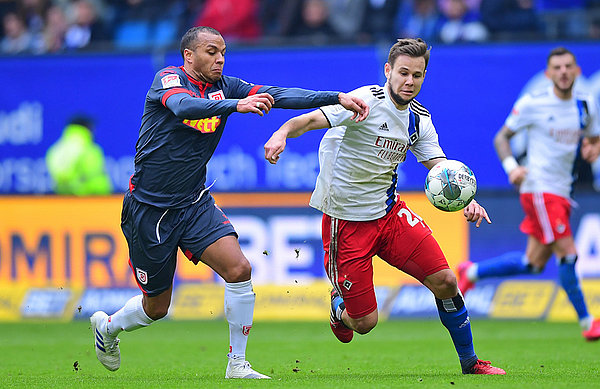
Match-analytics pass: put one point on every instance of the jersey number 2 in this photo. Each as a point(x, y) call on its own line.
point(411, 218)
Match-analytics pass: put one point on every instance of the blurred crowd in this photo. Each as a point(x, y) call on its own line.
point(51, 26)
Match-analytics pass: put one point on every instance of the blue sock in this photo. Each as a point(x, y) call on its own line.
point(508, 264)
point(570, 283)
point(455, 318)
point(338, 307)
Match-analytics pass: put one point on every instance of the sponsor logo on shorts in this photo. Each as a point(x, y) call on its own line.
point(246, 330)
point(142, 276)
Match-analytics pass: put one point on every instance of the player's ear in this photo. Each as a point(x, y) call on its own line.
point(187, 53)
point(387, 69)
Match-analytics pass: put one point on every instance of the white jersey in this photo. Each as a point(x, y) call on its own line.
point(358, 161)
point(554, 129)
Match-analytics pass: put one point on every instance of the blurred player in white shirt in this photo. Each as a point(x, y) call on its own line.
point(560, 122)
point(362, 214)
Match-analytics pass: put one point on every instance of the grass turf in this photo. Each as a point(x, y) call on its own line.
point(407, 353)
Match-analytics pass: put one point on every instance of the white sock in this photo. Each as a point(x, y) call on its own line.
point(239, 310)
point(131, 317)
point(472, 272)
point(586, 322)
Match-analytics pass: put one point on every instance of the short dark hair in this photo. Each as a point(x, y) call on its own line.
point(412, 47)
point(560, 50)
point(191, 36)
point(82, 119)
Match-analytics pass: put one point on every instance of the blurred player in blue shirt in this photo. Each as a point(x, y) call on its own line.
point(169, 206)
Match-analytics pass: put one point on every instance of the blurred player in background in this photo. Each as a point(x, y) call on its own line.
point(555, 120)
point(169, 205)
point(76, 163)
point(363, 215)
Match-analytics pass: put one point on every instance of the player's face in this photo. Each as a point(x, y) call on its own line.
point(562, 70)
point(208, 57)
point(405, 78)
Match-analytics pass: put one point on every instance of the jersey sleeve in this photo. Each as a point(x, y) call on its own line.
point(169, 89)
point(294, 98)
point(520, 116)
point(593, 128)
point(337, 115)
point(427, 146)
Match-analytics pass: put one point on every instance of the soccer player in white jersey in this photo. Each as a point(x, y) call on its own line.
point(363, 215)
point(557, 120)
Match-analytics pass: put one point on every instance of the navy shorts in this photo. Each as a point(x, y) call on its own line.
point(154, 234)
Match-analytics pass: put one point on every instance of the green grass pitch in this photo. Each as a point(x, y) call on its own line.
point(399, 353)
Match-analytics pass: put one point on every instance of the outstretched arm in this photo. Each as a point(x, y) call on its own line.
point(293, 128)
point(298, 98)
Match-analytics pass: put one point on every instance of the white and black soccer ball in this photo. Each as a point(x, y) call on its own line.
point(450, 185)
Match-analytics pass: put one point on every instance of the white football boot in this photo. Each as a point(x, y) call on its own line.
point(242, 369)
point(107, 347)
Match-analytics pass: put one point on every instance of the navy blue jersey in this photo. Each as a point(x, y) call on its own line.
point(182, 124)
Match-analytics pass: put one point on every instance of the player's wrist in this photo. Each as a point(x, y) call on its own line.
point(509, 164)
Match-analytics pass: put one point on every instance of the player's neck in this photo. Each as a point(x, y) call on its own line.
point(400, 104)
point(565, 94)
point(195, 75)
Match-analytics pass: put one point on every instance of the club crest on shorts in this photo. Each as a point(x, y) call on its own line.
point(246, 330)
point(141, 275)
point(347, 284)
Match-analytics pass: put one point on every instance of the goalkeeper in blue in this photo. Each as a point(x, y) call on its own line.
point(560, 122)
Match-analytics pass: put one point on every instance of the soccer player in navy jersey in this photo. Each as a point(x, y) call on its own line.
point(560, 122)
point(169, 206)
point(364, 216)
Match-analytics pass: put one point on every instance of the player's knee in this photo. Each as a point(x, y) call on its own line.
point(239, 272)
point(535, 269)
point(156, 312)
point(365, 324)
point(443, 285)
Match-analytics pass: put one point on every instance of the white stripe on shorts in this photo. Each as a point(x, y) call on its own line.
point(542, 216)
point(333, 246)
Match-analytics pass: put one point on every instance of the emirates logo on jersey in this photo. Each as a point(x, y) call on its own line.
point(205, 126)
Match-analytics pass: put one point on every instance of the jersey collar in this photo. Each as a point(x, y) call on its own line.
point(200, 84)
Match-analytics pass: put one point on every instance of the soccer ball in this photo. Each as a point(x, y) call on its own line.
point(450, 185)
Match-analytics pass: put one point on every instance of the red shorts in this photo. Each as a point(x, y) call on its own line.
point(401, 238)
point(546, 216)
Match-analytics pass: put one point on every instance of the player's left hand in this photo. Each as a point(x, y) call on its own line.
point(358, 106)
point(476, 213)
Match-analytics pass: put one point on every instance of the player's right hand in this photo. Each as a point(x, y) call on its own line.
point(517, 175)
point(260, 103)
point(275, 146)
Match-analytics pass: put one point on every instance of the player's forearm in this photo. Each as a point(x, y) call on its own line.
point(297, 98)
point(187, 107)
point(299, 125)
point(503, 150)
point(502, 144)
point(296, 126)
